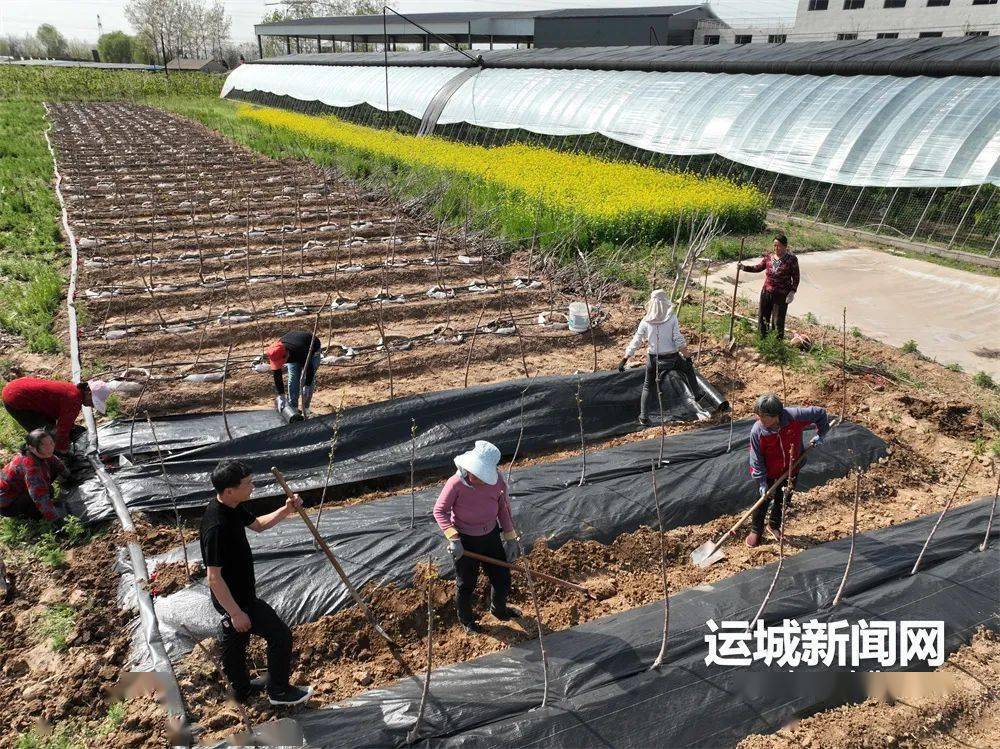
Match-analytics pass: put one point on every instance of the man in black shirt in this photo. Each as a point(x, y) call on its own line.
point(229, 562)
point(297, 350)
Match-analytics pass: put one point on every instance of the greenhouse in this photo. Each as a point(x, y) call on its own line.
point(897, 138)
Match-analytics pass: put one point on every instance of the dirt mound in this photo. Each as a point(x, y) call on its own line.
point(965, 714)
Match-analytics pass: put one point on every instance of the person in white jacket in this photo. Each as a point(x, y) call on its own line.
point(666, 349)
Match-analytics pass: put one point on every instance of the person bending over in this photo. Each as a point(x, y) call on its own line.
point(666, 350)
point(296, 350)
point(34, 402)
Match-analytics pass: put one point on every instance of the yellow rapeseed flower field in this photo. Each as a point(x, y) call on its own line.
point(617, 201)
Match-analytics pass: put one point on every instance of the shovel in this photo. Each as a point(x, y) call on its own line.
point(710, 552)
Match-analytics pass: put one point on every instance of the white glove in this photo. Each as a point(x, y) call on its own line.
point(280, 402)
point(790, 298)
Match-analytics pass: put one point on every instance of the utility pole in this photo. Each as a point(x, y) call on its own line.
point(100, 29)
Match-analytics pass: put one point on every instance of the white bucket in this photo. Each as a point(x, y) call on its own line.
point(579, 320)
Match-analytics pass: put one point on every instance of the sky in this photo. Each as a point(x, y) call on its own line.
point(77, 19)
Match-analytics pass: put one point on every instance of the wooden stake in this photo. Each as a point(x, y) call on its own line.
point(329, 465)
point(736, 286)
point(843, 368)
point(472, 342)
point(538, 626)
point(225, 376)
point(785, 494)
point(701, 326)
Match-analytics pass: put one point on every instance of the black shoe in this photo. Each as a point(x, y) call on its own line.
point(290, 695)
point(506, 613)
point(471, 627)
point(644, 420)
point(296, 417)
point(245, 698)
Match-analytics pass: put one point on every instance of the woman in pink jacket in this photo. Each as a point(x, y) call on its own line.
point(473, 510)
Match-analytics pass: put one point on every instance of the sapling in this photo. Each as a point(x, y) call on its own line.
point(663, 572)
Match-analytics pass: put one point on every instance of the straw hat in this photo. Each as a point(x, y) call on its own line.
point(659, 307)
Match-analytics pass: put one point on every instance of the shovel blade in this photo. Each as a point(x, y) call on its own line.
point(706, 555)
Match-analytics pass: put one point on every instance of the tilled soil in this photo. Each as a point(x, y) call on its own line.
point(930, 417)
point(196, 254)
point(961, 710)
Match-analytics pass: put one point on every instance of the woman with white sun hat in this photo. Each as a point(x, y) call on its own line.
point(473, 511)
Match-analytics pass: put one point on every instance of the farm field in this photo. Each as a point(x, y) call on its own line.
point(202, 236)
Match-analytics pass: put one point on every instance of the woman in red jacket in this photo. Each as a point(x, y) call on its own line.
point(26, 481)
point(776, 444)
point(52, 404)
point(781, 281)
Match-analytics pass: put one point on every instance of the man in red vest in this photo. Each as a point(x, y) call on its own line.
point(52, 404)
point(775, 444)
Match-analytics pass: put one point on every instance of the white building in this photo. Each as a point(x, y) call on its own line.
point(826, 20)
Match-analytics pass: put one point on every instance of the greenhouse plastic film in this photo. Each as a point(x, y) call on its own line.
point(374, 542)
point(410, 89)
point(603, 693)
point(861, 130)
point(374, 441)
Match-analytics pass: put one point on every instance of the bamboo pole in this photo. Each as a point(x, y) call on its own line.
point(583, 441)
point(736, 287)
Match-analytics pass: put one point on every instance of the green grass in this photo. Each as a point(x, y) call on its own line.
point(39, 83)
point(56, 624)
point(74, 733)
point(31, 248)
point(953, 367)
point(40, 539)
point(113, 407)
point(909, 347)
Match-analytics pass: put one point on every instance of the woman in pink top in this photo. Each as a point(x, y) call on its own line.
point(472, 511)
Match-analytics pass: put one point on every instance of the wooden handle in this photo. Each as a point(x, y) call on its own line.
point(536, 573)
point(769, 492)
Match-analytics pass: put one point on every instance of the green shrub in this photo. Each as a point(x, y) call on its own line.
point(910, 347)
point(983, 380)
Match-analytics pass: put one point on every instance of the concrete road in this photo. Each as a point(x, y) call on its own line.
point(953, 315)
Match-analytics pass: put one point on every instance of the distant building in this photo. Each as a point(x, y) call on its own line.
point(180, 64)
point(895, 19)
point(828, 20)
point(567, 27)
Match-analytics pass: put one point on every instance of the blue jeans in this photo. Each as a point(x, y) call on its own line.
point(295, 375)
